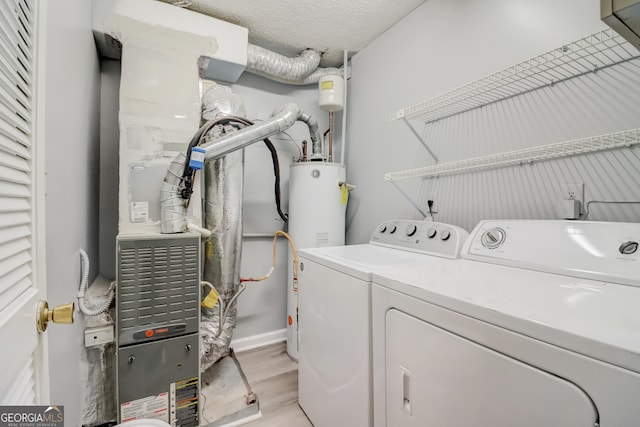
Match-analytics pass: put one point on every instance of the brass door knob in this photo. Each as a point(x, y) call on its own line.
point(60, 314)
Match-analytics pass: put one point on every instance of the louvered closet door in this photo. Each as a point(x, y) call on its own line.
point(21, 355)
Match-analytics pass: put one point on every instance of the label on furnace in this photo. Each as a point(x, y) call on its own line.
point(139, 211)
point(152, 407)
point(184, 403)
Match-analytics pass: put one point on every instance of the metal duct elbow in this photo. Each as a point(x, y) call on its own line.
point(316, 139)
point(281, 121)
point(173, 214)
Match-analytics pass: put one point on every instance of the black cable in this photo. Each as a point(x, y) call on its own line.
point(189, 173)
point(276, 173)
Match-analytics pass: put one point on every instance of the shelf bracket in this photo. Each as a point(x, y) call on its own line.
point(422, 141)
point(409, 199)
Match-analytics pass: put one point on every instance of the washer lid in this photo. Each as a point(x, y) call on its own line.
point(597, 319)
point(360, 260)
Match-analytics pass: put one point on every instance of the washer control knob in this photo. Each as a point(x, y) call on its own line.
point(431, 233)
point(411, 230)
point(383, 228)
point(445, 235)
point(392, 229)
point(493, 238)
point(628, 248)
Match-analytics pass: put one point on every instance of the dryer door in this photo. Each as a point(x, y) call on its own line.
point(436, 378)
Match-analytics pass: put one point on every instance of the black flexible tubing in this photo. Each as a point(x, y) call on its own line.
point(204, 129)
point(276, 172)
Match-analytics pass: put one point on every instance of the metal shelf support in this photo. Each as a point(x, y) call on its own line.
point(409, 199)
point(422, 141)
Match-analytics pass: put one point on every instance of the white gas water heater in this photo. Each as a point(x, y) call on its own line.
point(318, 195)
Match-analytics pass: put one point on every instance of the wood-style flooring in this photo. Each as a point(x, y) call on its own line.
point(273, 376)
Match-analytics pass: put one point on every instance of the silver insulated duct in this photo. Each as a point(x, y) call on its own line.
point(223, 180)
point(223, 217)
point(223, 190)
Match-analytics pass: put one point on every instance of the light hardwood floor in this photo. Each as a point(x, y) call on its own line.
point(273, 376)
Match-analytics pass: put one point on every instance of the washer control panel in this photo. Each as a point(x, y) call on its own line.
point(433, 238)
point(588, 249)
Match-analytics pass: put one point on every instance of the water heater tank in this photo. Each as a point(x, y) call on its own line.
point(317, 207)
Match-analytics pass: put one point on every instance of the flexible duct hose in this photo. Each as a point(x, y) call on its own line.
point(84, 283)
point(271, 64)
point(301, 70)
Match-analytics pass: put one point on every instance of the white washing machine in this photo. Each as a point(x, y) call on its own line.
point(334, 371)
point(538, 325)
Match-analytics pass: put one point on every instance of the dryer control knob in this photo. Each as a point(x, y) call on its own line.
point(445, 235)
point(431, 233)
point(411, 230)
point(628, 248)
point(383, 228)
point(493, 238)
point(392, 229)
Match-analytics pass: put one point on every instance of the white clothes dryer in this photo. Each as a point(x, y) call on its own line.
point(538, 325)
point(334, 371)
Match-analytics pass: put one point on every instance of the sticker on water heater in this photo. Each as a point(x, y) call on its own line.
point(152, 407)
point(139, 211)
point(322, 239)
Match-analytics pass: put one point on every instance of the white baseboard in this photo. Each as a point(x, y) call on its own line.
point(255, 341)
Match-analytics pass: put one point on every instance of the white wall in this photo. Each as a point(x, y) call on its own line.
point(444, 44)
point(72, 92)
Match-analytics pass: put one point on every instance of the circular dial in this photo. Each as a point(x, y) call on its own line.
point(445, 235)
point(628, 248)
point(411, 230)
point(383, 228)
point(431, 233)
point(493, 238)
point(392, 229)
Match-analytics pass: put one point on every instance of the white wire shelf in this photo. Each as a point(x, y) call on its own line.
point(592, 144)
point(574, 59)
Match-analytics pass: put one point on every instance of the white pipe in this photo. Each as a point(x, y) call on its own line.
point(84, 283)
point(197, 229)
point(344, 111)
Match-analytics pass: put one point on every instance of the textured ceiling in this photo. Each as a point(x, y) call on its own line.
point(289, 26)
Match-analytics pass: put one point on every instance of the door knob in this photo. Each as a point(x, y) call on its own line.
point(60, 314)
